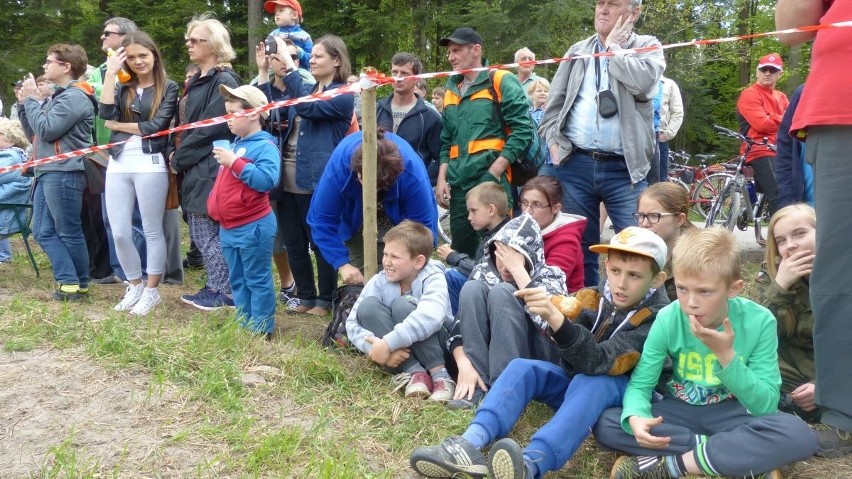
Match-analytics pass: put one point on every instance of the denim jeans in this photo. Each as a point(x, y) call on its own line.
point(578, 403)
point(57, 226)
point(248, 251)
point(455, 280)
point(586, 183)
point(664, 160)
point(5, 251)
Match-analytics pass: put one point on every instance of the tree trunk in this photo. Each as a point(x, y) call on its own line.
point(255, 24)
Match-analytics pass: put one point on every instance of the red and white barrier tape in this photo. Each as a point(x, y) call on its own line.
point(373, 79)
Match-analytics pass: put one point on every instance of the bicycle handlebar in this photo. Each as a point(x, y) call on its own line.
point(749, 141)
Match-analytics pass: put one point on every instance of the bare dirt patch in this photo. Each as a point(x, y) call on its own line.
point(119, 420)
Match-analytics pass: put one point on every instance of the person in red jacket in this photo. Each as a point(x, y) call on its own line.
point(760, 109)
point(541, 197)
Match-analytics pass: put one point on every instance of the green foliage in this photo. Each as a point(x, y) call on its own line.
point(710, 77)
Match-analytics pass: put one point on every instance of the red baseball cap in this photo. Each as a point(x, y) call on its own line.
point(772, 60)
point(271, 4)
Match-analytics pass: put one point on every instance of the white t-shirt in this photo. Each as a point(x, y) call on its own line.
point(133, 160)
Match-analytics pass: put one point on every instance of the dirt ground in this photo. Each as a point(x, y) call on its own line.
point(116, 419)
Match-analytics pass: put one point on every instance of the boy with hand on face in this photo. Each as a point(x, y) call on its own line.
point(599, 338)
point(719, 413)
point(400, 317)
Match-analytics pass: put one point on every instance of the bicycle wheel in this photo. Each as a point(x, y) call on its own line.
point(706, 192)
point(444, 225)
point(734, 209)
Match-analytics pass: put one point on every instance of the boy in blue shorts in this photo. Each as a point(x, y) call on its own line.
point(239, 202)
point(719, 412)
point(599, 335)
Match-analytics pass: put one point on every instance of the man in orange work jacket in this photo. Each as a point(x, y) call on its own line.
point(760, 109)
point(474, 147)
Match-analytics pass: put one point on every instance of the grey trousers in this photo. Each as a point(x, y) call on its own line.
point(381, 319)
point(495, 329)
point(831, 291)
point(739, 444)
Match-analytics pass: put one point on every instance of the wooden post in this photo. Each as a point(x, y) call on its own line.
point(368, 181)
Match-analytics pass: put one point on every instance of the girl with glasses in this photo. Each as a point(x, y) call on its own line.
point(664, 209)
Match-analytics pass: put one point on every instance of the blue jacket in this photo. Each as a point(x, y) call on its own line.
point(14, 188)
point(789, 160)
point(301, 39)
point(421, 127)
point(240, 193)
point(336, 213)
point(324, 123)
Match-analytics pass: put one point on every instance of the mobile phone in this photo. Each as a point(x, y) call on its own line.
point(270, 46)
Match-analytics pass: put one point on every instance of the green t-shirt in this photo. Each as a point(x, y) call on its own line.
point(752, 378)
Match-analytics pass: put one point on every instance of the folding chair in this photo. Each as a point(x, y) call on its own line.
point(23, 216)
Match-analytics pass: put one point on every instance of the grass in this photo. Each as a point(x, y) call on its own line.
point(319, 413)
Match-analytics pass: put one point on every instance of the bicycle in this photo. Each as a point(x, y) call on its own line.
point(703, 182)
point(739, 203)
point(444, 225)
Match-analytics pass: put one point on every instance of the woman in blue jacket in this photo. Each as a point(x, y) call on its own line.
point(336, 214)
point(320, 125)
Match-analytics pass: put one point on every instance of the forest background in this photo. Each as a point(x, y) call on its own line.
point(710, 77)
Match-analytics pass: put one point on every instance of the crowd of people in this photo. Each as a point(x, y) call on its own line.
point(656, 353)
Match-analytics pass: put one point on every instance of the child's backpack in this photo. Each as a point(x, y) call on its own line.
point(342, 300)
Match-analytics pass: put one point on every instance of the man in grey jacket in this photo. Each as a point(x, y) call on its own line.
point(61, 125)
point(599, 122)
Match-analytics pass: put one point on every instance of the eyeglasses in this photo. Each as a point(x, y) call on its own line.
point(107, 33)
point(535, 205)
point(195, 41)
point(653, 218)
point(769, 70)
point(50, 60)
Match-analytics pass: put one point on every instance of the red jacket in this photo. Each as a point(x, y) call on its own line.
point(562, 248)
point(759, 112)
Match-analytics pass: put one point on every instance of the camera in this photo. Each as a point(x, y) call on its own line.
point(270, 46)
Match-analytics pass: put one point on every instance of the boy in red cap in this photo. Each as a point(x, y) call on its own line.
point(288, 17)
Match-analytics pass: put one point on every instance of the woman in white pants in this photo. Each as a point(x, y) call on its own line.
point(137, 170)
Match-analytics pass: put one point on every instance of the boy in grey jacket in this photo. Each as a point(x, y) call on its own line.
point(400, 316)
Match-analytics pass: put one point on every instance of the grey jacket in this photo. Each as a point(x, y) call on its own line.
point(67, 117)
point(633, 78)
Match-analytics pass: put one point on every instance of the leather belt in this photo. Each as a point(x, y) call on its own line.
point(599, 155)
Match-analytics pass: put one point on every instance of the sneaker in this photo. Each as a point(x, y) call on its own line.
point(832, 441)
point(454, 457)
point(67, 292)
point(214, 301)
point(192, 298)
point(628, 467)
point(442, 389)
point(295, 304)
point(150, 298)
point(285, 295)
point(131, 295)
point(420, 385)
point(465, 403)
point(111, 279)
point(506, 461)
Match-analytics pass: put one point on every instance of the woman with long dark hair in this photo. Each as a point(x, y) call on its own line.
point(137, 171)
point(320, 126)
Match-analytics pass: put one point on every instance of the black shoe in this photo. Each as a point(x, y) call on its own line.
point(60, 295)
point(111, 279)
point(454, 457)
point(631, 467)
point(506, 461)
point(832, 441)
point(465, 403)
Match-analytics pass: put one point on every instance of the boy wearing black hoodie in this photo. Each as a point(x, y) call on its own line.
point(599, 342)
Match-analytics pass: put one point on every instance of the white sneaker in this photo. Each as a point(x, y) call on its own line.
point(150, 298)
point(131, 295)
